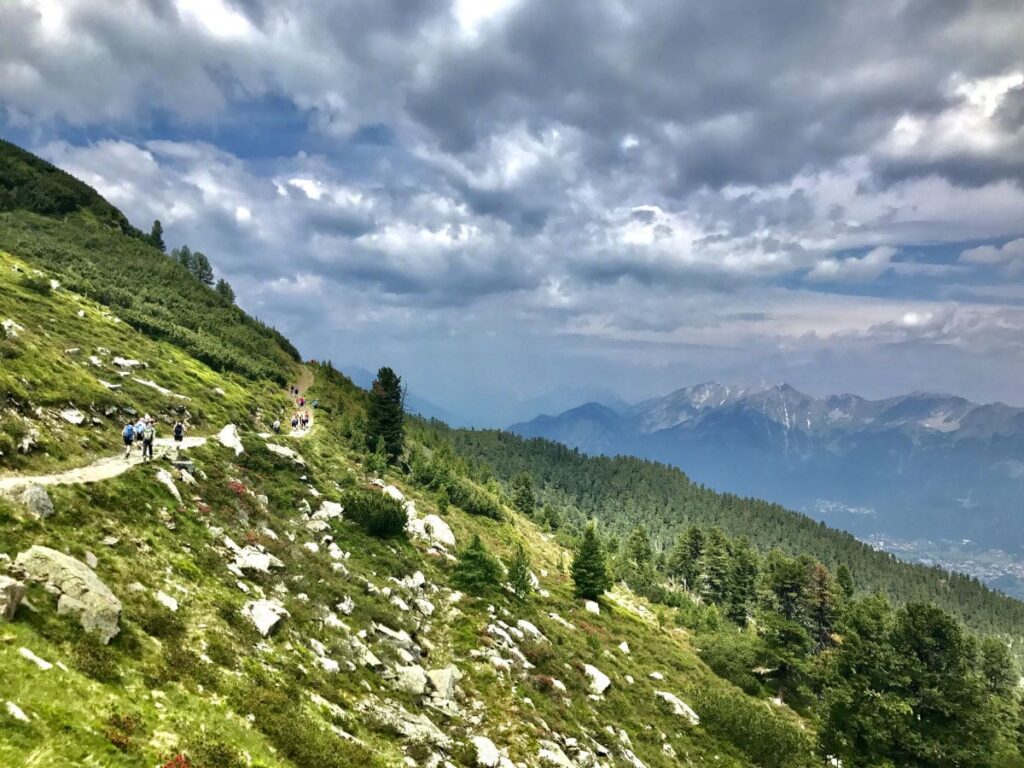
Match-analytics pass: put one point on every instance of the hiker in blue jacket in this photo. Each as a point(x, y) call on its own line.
point(128, 435)
point(140, 427)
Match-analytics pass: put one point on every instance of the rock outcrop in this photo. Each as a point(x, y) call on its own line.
point(679, 707)
point(264, 614)
point(81, 593)
point(11, 592)
point(36, 501)
point(229, 438)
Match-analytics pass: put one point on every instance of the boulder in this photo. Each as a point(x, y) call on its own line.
point(286, 452)
point(329, 510)
point(167, 601)
point(251, 559)
point(551, 754)
point(228, 437)
point(264, 614)
point(82, 594)
point(624, 647)
point(167, 481)
point(393, 492)
point(432, 530)
point(16, 712)
point(72, 416)
point(599, 681)
point(487, 755)
point(678, 706)
point(411, 679)
point(11, 328)
point(37, 501)
point(444, 682)
point(11, 593)
point(414, 728)
point(592, 607)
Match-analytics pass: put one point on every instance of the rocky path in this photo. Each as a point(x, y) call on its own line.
point(102, 469)
point(304, 382)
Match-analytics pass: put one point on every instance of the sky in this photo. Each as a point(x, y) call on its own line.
point(521, 205)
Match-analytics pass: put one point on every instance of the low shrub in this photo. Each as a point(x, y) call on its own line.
point(377, 514)
point(212, 750)
point(120, 729)
point(478, 571)
point(94, 659)
point(473, 500)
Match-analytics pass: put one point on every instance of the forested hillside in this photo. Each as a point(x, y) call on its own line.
point(624, 492)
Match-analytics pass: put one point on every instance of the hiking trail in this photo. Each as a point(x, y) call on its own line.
point(101, 469)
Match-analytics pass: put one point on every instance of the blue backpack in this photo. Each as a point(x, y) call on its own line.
point(129, 431)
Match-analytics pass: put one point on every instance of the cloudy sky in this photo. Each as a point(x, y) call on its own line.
point(522, 204)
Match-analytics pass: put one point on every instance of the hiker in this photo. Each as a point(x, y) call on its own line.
point(295, 422)
point(148, 435)
point(276, 426)
point(128, 435)
point(179, 436)
point(315, 403)
point(302, 402)
point(140, 427)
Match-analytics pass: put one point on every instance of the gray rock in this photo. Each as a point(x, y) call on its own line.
point(413, 728)
point(264, 614)
point(72, 416)
point(82, 594)
point(37, 501)
point(599, 681)
point(411, 680)
point(487, 755)
point(444, 681)
point(11, 592)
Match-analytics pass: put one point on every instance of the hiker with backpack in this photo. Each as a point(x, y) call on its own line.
point(179, 436)
point(276, 426)
point(140, 427)
point(128, 436)
point(148, 436)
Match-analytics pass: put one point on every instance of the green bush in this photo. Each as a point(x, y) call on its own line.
point(94, 659)
point(301, 738)
point(473, 500)
point(37, 284)
point(768, 739)
point(377, 514)
point(478, 571)
point(212, 750)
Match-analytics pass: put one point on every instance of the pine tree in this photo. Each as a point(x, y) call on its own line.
point(638, 547)
point(684, 560)
point(522, 494)
point(822, 600)
point(478, 571)
point(519, 573)
point(589, 570)
point(844, 577)
point(742, 580)
point(225, 290)
point(156, 236)
point(184, 256)
point(386, 414)
point(715, 565)
point(201, 268)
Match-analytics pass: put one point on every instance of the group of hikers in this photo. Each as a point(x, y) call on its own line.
point(143, 433)
point(301, 418)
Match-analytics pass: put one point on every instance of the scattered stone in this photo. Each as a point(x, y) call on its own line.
point(656, 676)
point(228, 437)
point(43, 664)
point(424, 606)
point(679, 707)
point(286, 452)
point(16, 712)
point(167, 601)
point(411, 679)
point(11, 329)
point(11, 594)
point(599, 681)
point(162, 390)
point(108, 385)
point(36, 501)
point(346, 606)
point(444, 681)
point(167, 481)
point(72, 416)
point(432, 530)
point(82, 594)
point(551, 754)
point(219, 391)
point(393, 492)
point(329, 510)
point(624, 647)
point(592, 607)
point(251, 559)
point(264, 614)
point(91, 560)
point(416, 728)
point(487, 755)
point(125, 362)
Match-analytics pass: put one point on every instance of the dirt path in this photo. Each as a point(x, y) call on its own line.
point(304, 382)
point(103, 469)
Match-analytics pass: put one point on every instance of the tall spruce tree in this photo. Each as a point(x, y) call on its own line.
point(224, 288)
point(156, 236)
point(589, 569)
point(477, 571)
point(202, 269)
point(522, 494)
point(386, 417)
point(519, 573)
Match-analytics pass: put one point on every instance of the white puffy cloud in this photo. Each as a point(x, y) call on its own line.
point(1010, 255)
point(872, 264)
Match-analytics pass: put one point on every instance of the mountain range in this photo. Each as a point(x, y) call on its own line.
point(915, 465)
